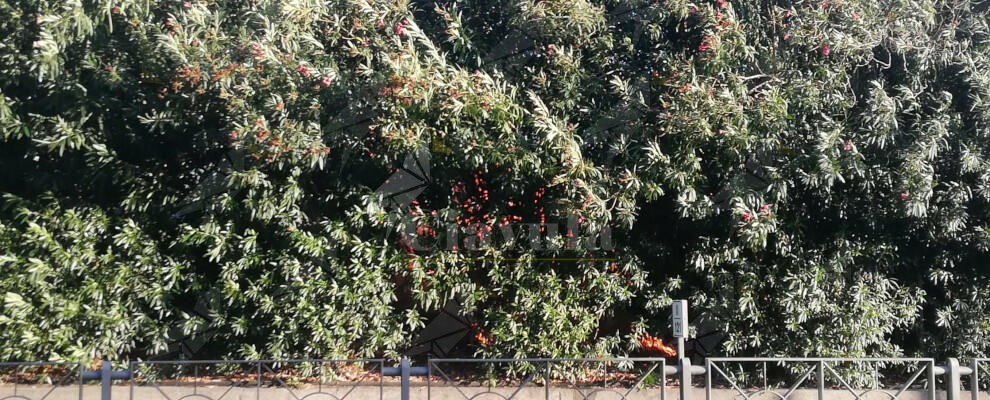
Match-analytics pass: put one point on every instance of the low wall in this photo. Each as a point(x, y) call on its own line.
point(126, 392)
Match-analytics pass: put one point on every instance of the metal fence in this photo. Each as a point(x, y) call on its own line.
point(291, 379)
point(41, 380)
point(545, 378)
point(858, 378)
point(504, 379)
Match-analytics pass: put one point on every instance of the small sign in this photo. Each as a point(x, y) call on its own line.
point(679, 319)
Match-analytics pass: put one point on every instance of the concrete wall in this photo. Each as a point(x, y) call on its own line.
point(124, 392)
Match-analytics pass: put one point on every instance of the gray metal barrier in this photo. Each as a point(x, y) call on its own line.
point(546, 378)
point(505, 379)
point(855, 378)
point(289, 379)
point(41, 380)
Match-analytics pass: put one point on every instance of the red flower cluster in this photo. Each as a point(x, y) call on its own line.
point(423, 230)
point(764, 210)
point(706, 44)
point(400, 28)
point(472, 202)
point(302, 70)
point(655, 344)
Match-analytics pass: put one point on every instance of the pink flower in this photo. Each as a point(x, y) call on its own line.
point(905, 195)
point(746, 216)
point(302, 70)
point(400, 28)
point(705, 44)
point(787, 36)
point(326, 81)
point(721, 3)
point(764, 208)
point(187, 4)
point(826, 50)
point(848, 146)
point(169, 23)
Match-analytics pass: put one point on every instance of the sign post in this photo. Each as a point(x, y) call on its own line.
point(679, 319)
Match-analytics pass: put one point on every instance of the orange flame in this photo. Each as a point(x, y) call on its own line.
point(656, 344)
point(482, 337)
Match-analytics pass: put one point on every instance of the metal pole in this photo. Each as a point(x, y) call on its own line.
point(821, 379)
point(105, 381)
point(952, 380)
point(82, 372)
point(130, 371)
point(931, 380)
point(685, 377)
point(708, 379)
point(404, 369)
point(974, 383)
point(546, 380)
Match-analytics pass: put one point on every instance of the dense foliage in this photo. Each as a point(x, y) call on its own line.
point(812, 175)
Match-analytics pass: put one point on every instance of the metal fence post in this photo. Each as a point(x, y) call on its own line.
point(105, 381)
point(685, 377)
point(547, 377)
point(931, 380)
point(82, 374)
point(821, 379)
point(106, 375)
point(708, 378)
point(952, 380)
point(404, 371)
point(974, 383)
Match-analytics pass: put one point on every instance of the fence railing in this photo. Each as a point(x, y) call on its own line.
point(219, 379)
point(854, 378)
point(41, 380)
point(536, 378)
point(505, 379)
